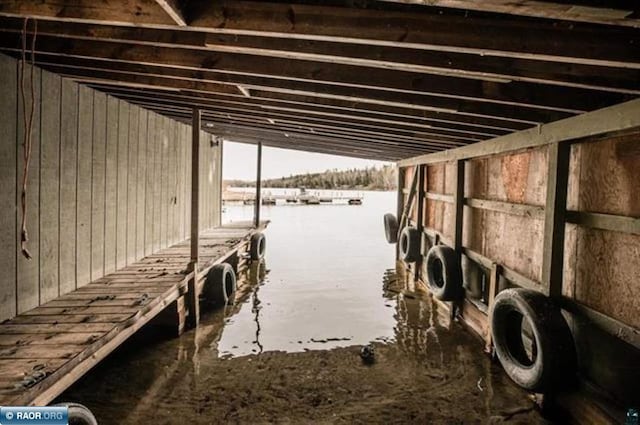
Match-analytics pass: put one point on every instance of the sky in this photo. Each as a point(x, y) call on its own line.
point(239, 162)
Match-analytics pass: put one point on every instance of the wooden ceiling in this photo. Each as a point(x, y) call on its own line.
point(374, 79)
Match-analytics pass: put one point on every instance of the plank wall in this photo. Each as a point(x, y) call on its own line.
point(109, 183)
point(601, 267)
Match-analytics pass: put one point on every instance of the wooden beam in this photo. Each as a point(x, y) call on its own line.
point(541, 9)
point(485, 68)
point(554, 220)
point(615, 223)
point(172, 9)
point(541, 102)
point(258, 202)
point(531, 211)
point(275, 87)
point(426, 28)
point(193, 302)
point(613, 119)
point(422, 171)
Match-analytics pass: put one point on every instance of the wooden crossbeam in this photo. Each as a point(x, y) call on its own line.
point(427, 28)
point(486, 68)
point(171, 7)
point(514, 100)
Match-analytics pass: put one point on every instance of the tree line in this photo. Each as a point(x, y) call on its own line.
point(372, 178)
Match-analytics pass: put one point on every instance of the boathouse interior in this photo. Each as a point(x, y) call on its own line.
point(515, 127)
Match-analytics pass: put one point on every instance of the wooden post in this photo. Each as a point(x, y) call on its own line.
point(400, 202)
point(458, 199)
point(192, 296)
point(554, 218)
point(420, 222)
point(494, 287)
point(256, 216)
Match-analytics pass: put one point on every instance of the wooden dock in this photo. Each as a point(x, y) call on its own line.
point(45, 350)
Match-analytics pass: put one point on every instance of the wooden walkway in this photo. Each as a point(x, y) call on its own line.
point(45, 350)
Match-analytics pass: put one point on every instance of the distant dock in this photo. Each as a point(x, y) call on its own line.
point(300, 196)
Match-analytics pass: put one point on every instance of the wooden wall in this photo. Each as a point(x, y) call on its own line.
point(601, 267)
point(109, 183)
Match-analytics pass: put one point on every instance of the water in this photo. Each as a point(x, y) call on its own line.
point(323, 288)
point(287, 350)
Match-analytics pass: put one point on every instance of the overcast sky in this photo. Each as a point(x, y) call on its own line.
point(239, 162)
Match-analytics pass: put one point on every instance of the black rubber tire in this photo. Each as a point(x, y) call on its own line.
point(391, 228)
point(220, 284)
point(79, 414)
point(258, 246)
point(444, 275)
point(409, 244)
point(554, 362)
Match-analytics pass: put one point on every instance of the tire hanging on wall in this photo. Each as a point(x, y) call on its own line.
point(391, 228)
point(551, 359)
point(78, 414)
point(409, 244)
point(444, 275)
point(220, 284)
point(258, 246)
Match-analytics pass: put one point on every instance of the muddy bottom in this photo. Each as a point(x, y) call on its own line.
point(425, 374)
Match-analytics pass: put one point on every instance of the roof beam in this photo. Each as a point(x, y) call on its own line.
point(171, 8)
point(619, 15)
point(624, 80)
point(429, 29)
point(543, 103)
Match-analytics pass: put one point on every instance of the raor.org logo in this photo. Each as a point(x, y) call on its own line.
point(633, 417)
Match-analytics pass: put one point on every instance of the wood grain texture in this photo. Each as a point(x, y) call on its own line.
point(111, 185)
point(8, 179)
point(68, 184)
point(141, 196)
point(84, 185)
point(132, 184)
point(98, 184)
point(28, 286)
point(49, 208)
point(122, 181)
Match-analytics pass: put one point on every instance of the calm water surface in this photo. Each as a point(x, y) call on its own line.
point(324, 283)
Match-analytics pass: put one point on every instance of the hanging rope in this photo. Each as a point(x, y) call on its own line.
point(28, 125)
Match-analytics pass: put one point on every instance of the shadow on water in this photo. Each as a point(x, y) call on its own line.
point(423, 373)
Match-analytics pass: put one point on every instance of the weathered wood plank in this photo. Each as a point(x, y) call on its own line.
point(53, 338)
point(79, 318)
point(122, 178)
point(19, 329)
point(8, 178)
point(49, 187)
point(157, 182)
point(84, 186)
point(68, 184)
point(28, 288)
point(132, 184)
point(98, 184)
point(150, 180)
point(66, 351)
point(111, 186)
point(141, 196)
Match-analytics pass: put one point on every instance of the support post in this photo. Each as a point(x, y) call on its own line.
point(494, 287)
point(458, 199)
point(192, 295)
point(400, 202)
point(256, 215)
point(420, 222)
point(554, 218)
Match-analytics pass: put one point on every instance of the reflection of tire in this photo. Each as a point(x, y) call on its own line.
point(258, 246)
point(78, 414)
point(551, 358)
point(410, 244)
point(220, 284)
point(391, 228)
point(443, 273)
